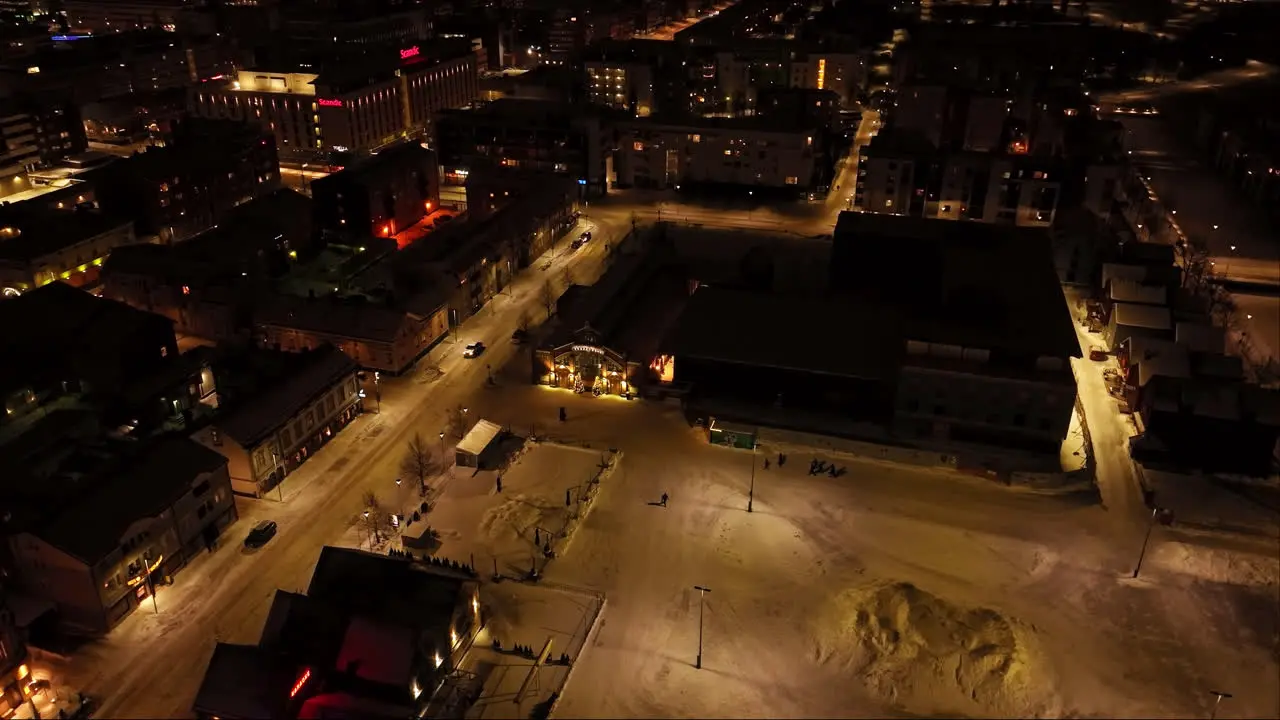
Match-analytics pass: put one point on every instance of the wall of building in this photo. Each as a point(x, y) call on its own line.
point(50, 574)
point(662, 156)
point(78, 264)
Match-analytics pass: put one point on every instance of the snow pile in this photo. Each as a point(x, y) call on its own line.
point(516, 518)
point(916, 649)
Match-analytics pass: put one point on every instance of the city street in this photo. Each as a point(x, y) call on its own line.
point(152, 664)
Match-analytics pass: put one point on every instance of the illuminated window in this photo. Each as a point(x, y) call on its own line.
point(186, 290)
point(792, 180)
point(637, 146)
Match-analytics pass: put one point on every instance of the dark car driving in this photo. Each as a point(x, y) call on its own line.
point(261, 534)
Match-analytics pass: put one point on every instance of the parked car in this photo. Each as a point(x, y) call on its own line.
point(444, 219)
point(474, 350)
point(1097, 353)
point(261, 534)
point(519, 336)
point(585, 237)
point(575, 244)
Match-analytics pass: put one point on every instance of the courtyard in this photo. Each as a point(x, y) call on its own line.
point(889, 590)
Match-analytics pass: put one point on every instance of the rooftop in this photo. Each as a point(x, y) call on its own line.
point(727, 326)
point(142, 486)
point(257, 417)
point(27, 235)
point(971, 285)
point(354, 317)
point(390, 589)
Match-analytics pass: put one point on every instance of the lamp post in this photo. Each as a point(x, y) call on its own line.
point(441, 446)
point(275, 465)
point(751, 492)
point(1219, 695)
point(377, 391)
point(367, 531)
point(1142, 553)
point(702, 594)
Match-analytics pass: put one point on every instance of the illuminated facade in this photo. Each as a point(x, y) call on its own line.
point(585, 365)
point(39, 248)
point(624, 86)
point(325, 115)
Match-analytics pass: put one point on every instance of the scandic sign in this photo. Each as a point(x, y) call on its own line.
point(329, 102)
point(407, 53)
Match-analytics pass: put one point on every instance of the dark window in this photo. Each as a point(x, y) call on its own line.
point(201, 489)
point(1020, 420)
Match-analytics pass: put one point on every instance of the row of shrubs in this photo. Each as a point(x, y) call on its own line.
point(433, 561)
point(527, 651)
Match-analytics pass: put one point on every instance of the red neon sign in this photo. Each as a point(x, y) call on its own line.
point(329, 102)
point(302, 681)
point(407, 53)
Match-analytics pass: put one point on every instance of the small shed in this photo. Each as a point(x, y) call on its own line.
point(730, 435)
point(470, 451)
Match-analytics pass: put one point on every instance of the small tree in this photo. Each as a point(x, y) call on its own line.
point(567, 277)
point(547, 296)
point(376, 518)
point(418, 462)
point(523, 322)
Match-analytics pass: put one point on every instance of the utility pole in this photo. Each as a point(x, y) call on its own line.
point(751, 493)
point(702, 594)
point(1141, 554)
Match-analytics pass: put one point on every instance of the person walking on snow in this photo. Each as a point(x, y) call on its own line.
point(664, 499)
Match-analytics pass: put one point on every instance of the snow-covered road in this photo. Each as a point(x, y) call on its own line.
point(152, 664)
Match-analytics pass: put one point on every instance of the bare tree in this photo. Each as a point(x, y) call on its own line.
point(418, 462)
point(547, 296)
point(523, 322)
point(375, 518)
point(567, 277)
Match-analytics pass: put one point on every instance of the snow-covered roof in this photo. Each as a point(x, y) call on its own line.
point(479, 437)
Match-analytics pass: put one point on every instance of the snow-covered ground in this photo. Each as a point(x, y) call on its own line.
point(511, 528)
point(891, 590)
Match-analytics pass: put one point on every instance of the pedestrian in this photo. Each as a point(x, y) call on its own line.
point(537, 536)
point(499, 483)
point(766, 463)
point(664, 499)
point(563, 415)
point(782, 458)
point(832, 470)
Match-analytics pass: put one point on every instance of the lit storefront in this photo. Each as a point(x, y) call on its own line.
point(586, 365)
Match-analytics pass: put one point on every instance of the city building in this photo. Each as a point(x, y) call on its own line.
point(39, 246)
point(751, 66)
point(311, 26)
point(374, 636)
point(192, 183)
point(58, 336)
point(207, 285)
point(113, 523)
point(32, 135)
point(348, 109)
point(1209, 424)
point(89, 68)
point(572, 29)
point(377, 335)
point(903, 173)
point(532, 135)
point(752, 152)
point(269, 426)
point(100, 17)
point(379, 196)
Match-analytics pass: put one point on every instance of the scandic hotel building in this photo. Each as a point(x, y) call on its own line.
point(345, 110)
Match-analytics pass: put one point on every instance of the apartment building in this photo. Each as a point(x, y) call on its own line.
point(345, 111)
point(33, 134)
point(902, 173)
point(271, 429)
point(375, 335)
point(657, 153)
point(379, 196)
point(40, 246)
point(101, 533)
point(187, 186)
point(533, 135)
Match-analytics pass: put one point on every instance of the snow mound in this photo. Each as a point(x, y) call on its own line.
point(916, 649)
point(514, 518)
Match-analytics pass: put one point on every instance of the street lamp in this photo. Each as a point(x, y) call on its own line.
point(1142, 553)
point(441, 446)
point(377, 391)
point(702, 594)
point(275, 465)
point(1219, 695)
point(367, 530)
point(751, 492)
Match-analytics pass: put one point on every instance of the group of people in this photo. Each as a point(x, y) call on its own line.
point(817, 467)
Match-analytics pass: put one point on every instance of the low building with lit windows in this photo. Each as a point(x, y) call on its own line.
point(40, 247)
point(266, 433)
point(903, 173)
point(124, 520)
point(748, 152)
point(373, 637)
point(349, 110)
point(15, 672)
point(379, 196)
